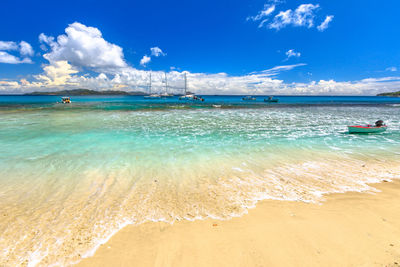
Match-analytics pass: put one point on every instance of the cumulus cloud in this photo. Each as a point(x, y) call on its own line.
point(156, 51)
point(8, 45)
point(84, 46)
point(291, 53)
point(145, 59)
point(58, 73)
point(10, 59)
point(324, 25)
point(25, 50)
point(70, 55)
point(263, 82)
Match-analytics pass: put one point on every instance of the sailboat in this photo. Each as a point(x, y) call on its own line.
point(166, 94)
point(189, 95)
point(151, 96)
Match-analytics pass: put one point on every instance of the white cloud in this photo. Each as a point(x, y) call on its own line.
point(302, 16)
point(84, 46)
point(391, 69)
point(156, 51)
point(324, 25)
point(7, 45)
point(145, 59)
point(70, 72)
point(291, 53)
point(10, 59)
point(263, 14)
point(278, 69)
point(25, 49)
point(63, 76)
point(57, 73)
point(43, 38)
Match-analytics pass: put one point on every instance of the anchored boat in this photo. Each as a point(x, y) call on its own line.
point(249, 98)
point(271, 99)
point(65, 100)
point(190, 96)
point(369, 128)
point(151, 95)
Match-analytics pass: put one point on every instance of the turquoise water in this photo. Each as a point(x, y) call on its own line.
point(72, 175)
point(227, 101)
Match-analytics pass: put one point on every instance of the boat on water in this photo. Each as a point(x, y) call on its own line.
point(150, 95)
point(378, 127)
point(65, 100)
point(249, 98)
point(166, 94)
point(188, 96)
point(271, 99)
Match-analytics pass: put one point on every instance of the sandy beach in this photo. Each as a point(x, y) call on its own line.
point(351, 229)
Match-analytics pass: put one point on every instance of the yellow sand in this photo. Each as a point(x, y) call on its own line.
point(352, 229)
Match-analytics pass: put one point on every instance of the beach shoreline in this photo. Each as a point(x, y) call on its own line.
point(348, 229)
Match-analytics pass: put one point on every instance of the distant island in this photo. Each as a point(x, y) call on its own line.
point(390, 94)
point(76, 92)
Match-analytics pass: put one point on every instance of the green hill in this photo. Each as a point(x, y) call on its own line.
point(390, 94)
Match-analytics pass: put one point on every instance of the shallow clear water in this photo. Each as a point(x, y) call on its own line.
point(72, 175)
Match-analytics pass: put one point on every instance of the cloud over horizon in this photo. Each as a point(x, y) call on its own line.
point(82, 58)
point(84, 46)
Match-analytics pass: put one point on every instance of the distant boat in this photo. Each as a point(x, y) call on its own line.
point(271, 99)
point(166, 94)
point(151, 96)
point(379, 127)
point(249, 98)
point(65, 100)
point(190, 96)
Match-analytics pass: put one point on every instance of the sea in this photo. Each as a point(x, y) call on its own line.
point(72, 175)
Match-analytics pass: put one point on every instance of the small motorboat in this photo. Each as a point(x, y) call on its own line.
point(271, 99)
point(378, 127)
point(249, 98)
point(191, 97)
point(65, 100)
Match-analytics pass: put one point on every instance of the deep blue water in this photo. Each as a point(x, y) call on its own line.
point(209, 100)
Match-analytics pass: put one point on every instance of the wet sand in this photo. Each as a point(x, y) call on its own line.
point(351, 229)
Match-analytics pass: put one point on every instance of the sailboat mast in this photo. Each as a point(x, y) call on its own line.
point(185, 83)
point(166, 83)
point(150, 84)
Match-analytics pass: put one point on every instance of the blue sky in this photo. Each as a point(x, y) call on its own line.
point(224, 45)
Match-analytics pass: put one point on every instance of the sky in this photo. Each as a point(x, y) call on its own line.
point(300, 47)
